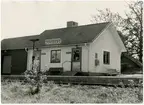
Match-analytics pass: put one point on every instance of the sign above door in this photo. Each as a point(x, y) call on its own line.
point(53, 41)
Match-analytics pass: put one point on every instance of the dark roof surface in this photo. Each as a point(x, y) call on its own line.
point(75, 35)
point(70, 35)
point(18, 43)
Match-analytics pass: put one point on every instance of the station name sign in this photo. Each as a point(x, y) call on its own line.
point(53, 41)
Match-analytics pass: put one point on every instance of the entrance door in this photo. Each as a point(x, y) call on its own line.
point(7, 65)
point(76, 59)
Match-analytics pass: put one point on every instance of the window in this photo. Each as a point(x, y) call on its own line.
point(76, 55)
point(106, 57)
point(55, 56)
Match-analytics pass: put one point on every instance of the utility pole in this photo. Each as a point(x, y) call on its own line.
point(38, 69)
point(33, 57)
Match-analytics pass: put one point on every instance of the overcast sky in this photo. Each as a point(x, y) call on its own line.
point(25, 18)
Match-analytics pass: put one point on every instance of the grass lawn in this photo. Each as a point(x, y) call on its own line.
point(16, 92)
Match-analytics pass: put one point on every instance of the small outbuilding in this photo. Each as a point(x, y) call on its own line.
point(14, 54)
point(130, 65)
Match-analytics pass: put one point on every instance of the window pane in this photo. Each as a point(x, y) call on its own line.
point(76, 55)
point(58, 57)
point(106, 57)
point(55, 56)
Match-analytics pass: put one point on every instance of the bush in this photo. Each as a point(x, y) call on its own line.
point(35, 78)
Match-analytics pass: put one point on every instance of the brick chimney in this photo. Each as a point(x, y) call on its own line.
point(72, 24)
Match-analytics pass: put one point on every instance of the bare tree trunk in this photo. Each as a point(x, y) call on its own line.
point(141, 35)
point(141, 50)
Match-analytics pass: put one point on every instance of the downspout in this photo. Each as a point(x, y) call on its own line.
point(26, 50)
point(88, 56)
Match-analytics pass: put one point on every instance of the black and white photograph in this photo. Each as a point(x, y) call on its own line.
point(71, 52)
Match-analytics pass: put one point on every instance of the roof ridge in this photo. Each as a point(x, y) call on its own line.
point(58, 29)
point(78, 26)
point(21, 37)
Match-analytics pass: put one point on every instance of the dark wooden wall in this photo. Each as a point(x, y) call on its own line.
point(129, 67)
point(18, 61)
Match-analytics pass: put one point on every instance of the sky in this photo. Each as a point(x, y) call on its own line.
point(24, 18)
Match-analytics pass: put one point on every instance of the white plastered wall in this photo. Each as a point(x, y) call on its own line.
point(105, 42)
point(65, 58)
point(29, 59)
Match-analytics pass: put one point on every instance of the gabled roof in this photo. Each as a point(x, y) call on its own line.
point(75, 35)
point(69, 35)
point(18, 42)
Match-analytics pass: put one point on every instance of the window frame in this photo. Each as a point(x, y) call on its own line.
point(51, 56)
point(106, 57)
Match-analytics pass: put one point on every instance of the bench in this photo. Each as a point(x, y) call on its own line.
point(55, 71)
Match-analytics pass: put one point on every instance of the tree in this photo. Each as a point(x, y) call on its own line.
point(130, 28)
point(133, 29)
point(107, 15)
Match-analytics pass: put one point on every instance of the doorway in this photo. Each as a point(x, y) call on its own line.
point(76, 59)
point(7, 65)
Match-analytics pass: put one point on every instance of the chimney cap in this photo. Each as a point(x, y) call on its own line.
point(72, 24)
